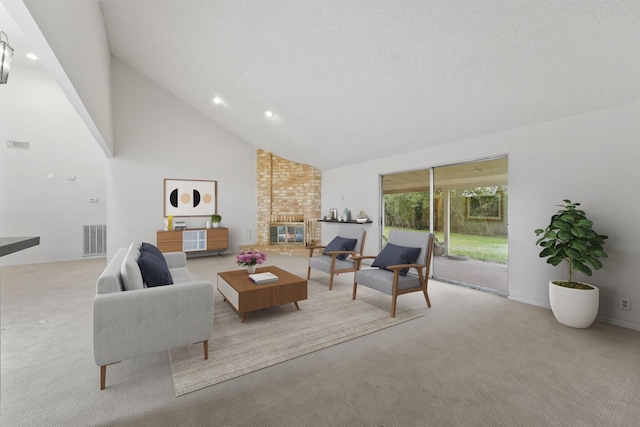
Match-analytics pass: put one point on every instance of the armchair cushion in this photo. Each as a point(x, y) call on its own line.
point(340, 244)
point(154, 270)
point(382, 280)
point(396, 255)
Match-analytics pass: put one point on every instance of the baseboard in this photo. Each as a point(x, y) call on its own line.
point(618, 322)
point(599, 318)
point(530, 302)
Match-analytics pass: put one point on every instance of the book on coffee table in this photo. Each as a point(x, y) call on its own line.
point(263, 278)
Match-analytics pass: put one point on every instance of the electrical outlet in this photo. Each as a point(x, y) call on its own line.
point(625, 304)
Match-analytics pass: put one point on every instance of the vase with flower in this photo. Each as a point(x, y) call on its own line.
point(250, 259)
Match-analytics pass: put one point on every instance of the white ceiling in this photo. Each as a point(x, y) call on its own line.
point(17, 41)
point(351, 81)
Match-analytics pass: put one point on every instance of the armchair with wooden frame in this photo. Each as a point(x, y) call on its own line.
point(402, 266)
point(337, 256)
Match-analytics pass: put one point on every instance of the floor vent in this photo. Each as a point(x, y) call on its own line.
point(94, 240)
point(23, 145)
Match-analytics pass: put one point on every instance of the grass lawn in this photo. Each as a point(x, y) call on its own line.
point(483, 248)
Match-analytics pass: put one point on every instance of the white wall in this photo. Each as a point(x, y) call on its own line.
point(593, 159)
point(70, 38)
point(157, 136)
point(34, 109)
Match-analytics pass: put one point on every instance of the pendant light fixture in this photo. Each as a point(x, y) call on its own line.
point(6, 54)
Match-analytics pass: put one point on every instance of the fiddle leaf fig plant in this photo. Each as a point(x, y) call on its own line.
point(570, 237)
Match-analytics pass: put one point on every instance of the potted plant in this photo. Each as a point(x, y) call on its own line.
point(570, 237)
point(362, 217)
point(215, 220)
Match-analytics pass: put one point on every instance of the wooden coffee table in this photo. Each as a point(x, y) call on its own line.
point(244, 295)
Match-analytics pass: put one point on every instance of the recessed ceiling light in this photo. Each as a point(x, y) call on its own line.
point(217, 100)
point(268, 113)
point(32, 56)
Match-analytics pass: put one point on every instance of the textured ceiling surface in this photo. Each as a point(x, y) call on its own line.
point(351, 81)
point(17, 41)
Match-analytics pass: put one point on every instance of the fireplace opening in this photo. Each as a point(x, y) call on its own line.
point(286, 233)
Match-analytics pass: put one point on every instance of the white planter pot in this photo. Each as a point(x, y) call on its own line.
point(215, 224)
point(577, 308)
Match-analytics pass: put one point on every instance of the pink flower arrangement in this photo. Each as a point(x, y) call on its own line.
point(251, 257)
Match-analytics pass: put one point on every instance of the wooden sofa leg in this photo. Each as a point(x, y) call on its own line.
point(308, 272)
point(103, 377)
point(205, 344)
point(331, 282)
point(355, 287)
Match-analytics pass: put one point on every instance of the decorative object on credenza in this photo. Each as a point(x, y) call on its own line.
point(207, 224)
point(179, 225)
point(6, 55)
point(346, 215)
point(250, 258)
point(333, 214)
point(362, 217)
point(215, 220)
point(168, 223)
point(190, 197)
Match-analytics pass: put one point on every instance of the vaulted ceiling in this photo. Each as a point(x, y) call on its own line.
point(350, 81)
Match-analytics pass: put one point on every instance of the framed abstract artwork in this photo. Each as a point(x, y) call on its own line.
point(184, 197)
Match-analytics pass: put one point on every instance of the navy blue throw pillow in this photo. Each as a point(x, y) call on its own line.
point(148, 247)
point(340, 244)
point(395, 255)
point(154, 270)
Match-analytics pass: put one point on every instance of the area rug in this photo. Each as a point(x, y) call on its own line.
point(277, 334)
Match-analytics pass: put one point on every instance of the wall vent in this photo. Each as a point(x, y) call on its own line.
point(22, 145)
point(94, 240)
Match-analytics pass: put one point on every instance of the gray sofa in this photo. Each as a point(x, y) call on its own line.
point(131, 320)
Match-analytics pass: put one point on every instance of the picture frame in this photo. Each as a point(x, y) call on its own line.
point(334, 213)
point(190, 197)
point(485, 207)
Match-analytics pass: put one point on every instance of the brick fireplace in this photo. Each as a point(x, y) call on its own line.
point(288, 200)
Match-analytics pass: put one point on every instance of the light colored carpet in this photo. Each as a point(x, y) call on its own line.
point(472, 359)
point(281, 333)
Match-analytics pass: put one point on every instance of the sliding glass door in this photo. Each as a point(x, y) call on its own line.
point(465, 206)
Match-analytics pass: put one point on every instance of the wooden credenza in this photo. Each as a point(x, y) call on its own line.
point(194, 240)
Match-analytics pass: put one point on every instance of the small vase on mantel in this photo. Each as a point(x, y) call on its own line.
point(251, 269)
